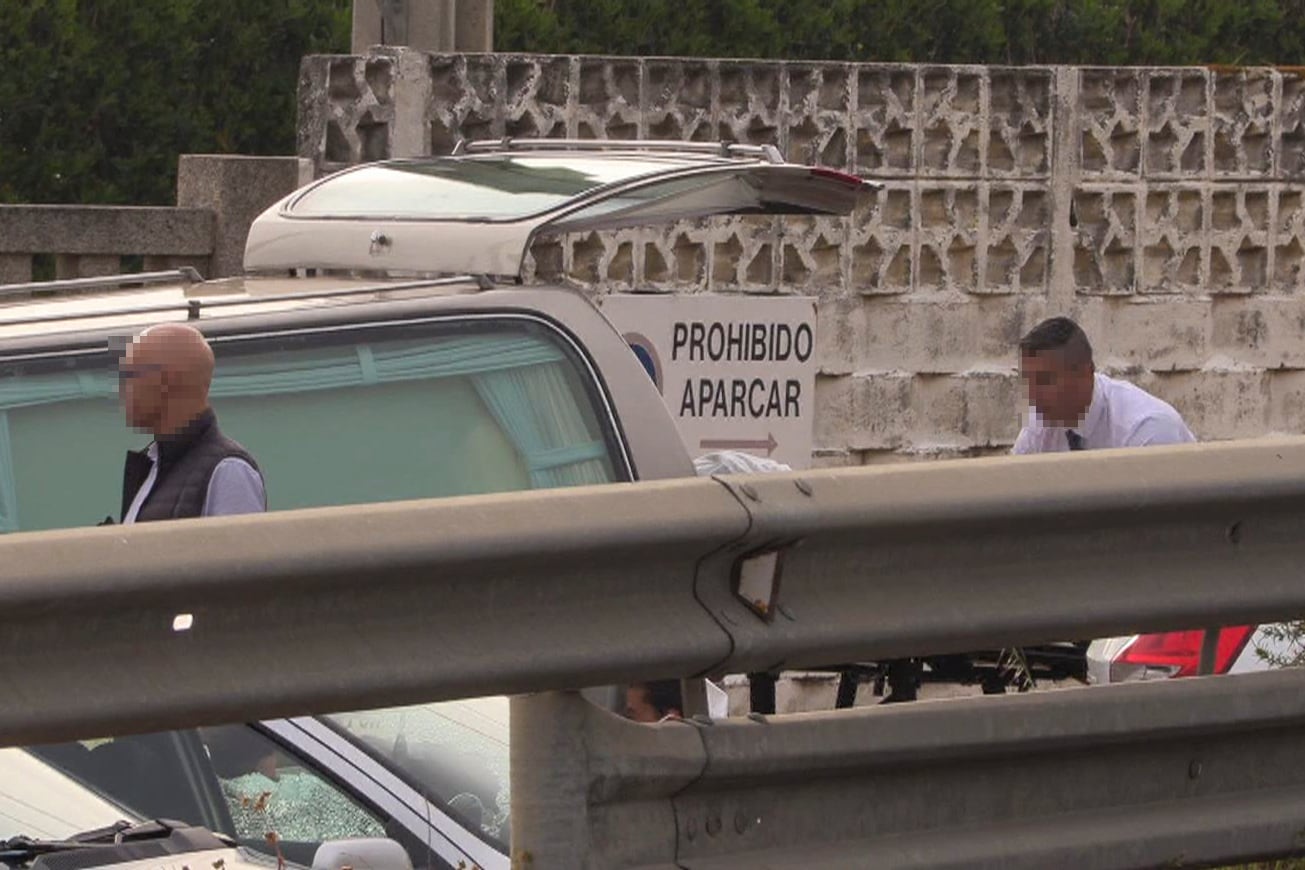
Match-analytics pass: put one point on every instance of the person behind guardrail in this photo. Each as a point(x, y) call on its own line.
point(902, 676)
point(654, 701)
point(1074, 407)
point(660, 700)
point(190, 469)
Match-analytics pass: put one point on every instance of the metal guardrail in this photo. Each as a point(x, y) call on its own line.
point(347, 607)
point(1158, 775)
point(356, 607)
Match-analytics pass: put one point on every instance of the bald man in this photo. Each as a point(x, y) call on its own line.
point(191, 469)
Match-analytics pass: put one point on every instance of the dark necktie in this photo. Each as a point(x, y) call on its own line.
point(1075, 440)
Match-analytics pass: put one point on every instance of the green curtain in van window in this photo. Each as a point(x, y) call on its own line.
point(325, 369)
point(538, 411)
point(8, 487)
point(520, 378)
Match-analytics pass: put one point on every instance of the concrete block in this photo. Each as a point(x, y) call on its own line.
point(1286, 402)
point(893, 411)
point(1217, 404)
point(1259, 331)
point(965, 410)
point(15, 268)
point(237, 189)
point(863, 412)
point(105, 230)
point(1170, 333)
point(840, 332)
point(942, 337)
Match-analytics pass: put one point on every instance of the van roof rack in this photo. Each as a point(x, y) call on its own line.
point(186, 274)
point(194, 307)
point(721, 148)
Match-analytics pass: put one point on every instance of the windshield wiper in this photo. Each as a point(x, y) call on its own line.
point(21, 851)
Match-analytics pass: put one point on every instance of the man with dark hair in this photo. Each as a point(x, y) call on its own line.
point(1073, 407)
point(654, 701)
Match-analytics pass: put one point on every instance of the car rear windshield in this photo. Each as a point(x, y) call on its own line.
point(479, 188)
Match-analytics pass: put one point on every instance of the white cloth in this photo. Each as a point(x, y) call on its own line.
point(718, 701)
point(1120, 415)
point(235, 487)
point(735, 462)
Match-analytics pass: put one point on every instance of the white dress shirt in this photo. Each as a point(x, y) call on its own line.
point(1120, 415)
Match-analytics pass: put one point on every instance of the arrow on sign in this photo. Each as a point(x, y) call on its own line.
point(768, 444)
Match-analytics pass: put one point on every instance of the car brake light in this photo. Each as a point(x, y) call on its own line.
point(822, 172)
point(1177, 654)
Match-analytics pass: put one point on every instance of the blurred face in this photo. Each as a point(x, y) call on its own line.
point(637, 706)
point(140, 388)
point(1058, 389)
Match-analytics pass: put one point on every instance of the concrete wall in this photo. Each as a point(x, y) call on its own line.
point(218, 197)
point(1163, 208)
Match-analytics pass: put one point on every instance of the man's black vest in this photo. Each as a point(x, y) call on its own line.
point(186, 462)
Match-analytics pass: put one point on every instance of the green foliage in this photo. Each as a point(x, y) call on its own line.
point(1282, 645)
point(98, 97)
point(1106, 32)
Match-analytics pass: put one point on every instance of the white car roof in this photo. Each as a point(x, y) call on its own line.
point(478, 210)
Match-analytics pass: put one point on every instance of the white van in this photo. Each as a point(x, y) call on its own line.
point(355, 375)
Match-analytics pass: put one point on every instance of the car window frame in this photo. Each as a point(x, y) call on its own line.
point(382, 788)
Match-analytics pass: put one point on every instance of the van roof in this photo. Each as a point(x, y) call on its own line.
point(120, 306)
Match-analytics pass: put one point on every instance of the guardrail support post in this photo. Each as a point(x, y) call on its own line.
point(550, 813)
point(1209, 651)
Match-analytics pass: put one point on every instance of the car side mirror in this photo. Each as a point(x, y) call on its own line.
point(376, 853)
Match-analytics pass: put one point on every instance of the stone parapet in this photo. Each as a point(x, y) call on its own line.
point(1162, 207)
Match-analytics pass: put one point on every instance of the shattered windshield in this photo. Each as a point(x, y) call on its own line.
point(454, 752)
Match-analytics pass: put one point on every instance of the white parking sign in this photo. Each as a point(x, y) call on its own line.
point(737, 372)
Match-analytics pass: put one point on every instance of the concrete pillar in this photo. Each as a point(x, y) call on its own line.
point(426, 25)
point(236, 189)
point(475, 26)
point(15, 268)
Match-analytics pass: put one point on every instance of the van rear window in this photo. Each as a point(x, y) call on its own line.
point(342, 419)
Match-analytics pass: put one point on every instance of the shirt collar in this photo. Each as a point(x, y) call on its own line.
point(1096, 409)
